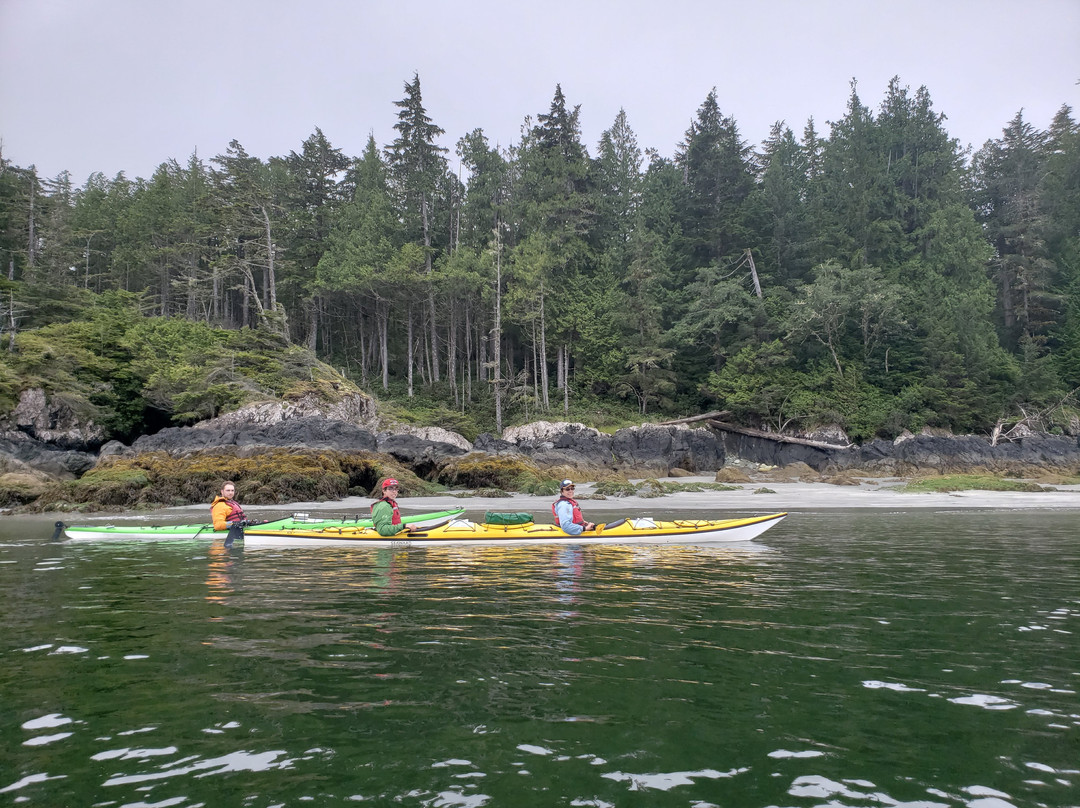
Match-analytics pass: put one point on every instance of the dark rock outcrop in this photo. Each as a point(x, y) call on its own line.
point(649, 448)
point(659, 448)
point(300, 433)
point(55, 462)
point(54, 422)
point(549, 443)
point(422, 455)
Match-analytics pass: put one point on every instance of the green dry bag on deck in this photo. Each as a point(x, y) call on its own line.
point(493, 518)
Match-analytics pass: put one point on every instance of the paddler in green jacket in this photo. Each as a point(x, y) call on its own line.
point(385, 514)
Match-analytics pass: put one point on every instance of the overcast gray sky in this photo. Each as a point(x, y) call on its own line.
point(123, 85)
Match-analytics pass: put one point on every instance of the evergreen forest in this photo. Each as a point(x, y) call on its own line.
point(866, 272)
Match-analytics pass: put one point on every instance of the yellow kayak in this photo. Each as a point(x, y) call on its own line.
point(466, 532)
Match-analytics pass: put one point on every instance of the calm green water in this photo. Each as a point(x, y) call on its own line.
point(845, 658)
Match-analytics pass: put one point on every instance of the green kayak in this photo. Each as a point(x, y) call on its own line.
point(298, 521)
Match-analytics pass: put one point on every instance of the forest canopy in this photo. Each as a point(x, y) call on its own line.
point(866, 273)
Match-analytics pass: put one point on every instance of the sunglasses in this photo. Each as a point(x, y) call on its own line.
point(569, 488)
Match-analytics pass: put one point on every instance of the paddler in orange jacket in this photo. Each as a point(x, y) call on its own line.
point(225, 510)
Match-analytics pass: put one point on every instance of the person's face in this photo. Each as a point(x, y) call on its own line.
point(391, 491)
point(228, 491)
point(568, 490)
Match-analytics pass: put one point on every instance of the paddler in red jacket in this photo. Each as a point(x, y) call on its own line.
point(567, 512)
point(225, 510)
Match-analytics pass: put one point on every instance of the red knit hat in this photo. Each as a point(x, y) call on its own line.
point(389, 482)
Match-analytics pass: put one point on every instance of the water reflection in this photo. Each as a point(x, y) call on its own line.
point(569, 566)
point(219, 572)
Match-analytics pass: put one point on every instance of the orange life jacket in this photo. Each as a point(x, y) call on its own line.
point(236, 513)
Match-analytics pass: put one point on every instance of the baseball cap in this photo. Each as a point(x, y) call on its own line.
point(389, 482)
point(566, 484)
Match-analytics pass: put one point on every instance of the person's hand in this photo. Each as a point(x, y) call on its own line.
point(590, 525)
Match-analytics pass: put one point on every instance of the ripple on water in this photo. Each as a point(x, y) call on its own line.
point(231, 762)
point(824, 788)
point(42, 740)
point(47, 721)
point(50, 721)
point(665, 781)
point(987, 702)
point(30, 779)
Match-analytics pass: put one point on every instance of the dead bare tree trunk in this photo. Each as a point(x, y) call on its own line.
point(313, 324)
point(384, 351)
point(753, 272)
point(545, 382)
point(271, 279)
point(497, 332)
point(14, 323)
point(410, 351)
point(31, 247)
point(431, 291)
point(451, 353)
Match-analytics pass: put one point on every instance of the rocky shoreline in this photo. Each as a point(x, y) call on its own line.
point(354, 454)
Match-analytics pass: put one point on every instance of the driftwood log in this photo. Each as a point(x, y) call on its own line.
point(757, 433)
point(707, 416)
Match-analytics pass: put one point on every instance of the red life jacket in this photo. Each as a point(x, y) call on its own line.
point(578, 518)
point(396, 518)
point(236, 513)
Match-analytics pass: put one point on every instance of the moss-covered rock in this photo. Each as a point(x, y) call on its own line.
point(615, 488)
point(970, 482)
point(729, 474)
point(478, 470)
point(263, 477)
point(20, 488)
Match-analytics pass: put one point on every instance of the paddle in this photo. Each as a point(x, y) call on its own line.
point(610, 525)
point(236, 531)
